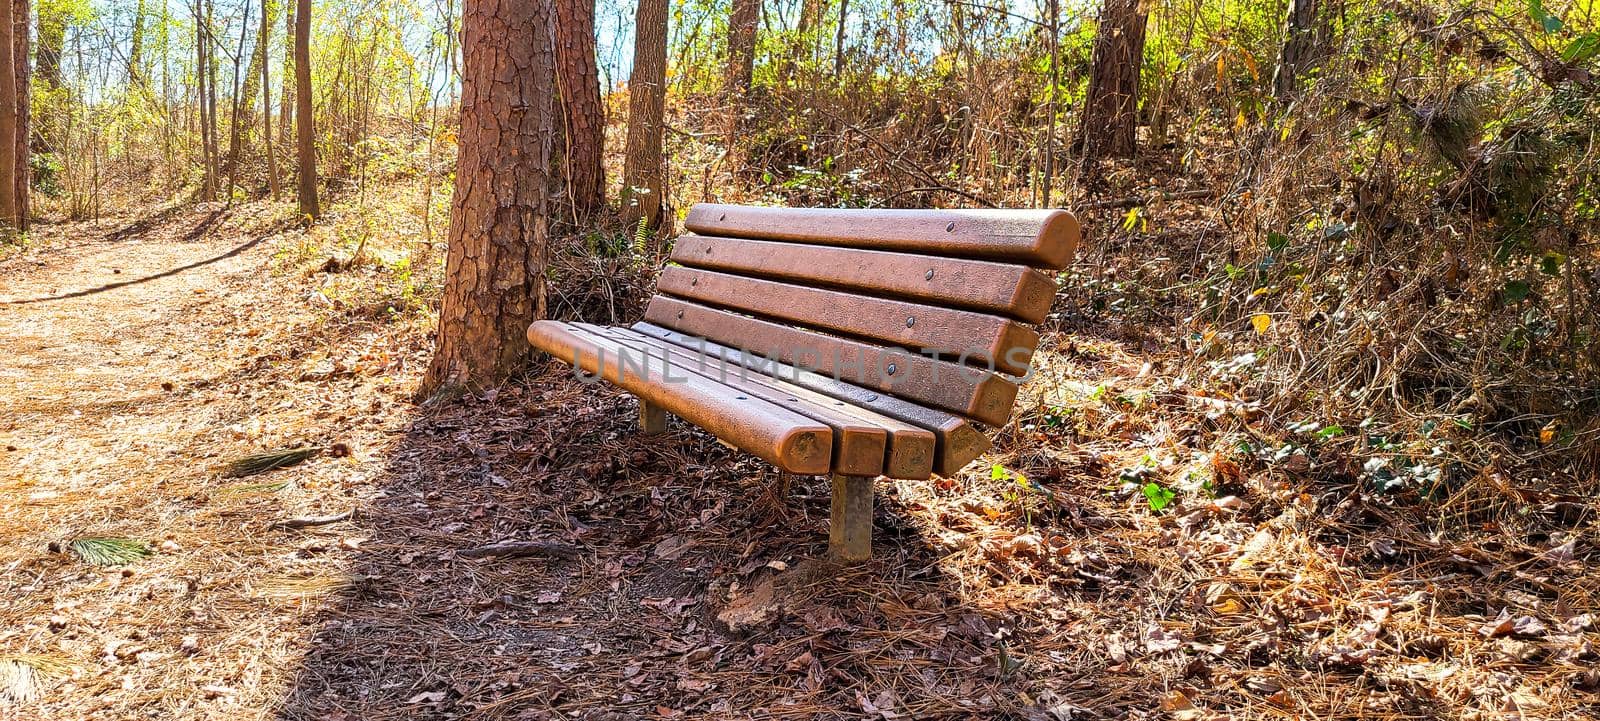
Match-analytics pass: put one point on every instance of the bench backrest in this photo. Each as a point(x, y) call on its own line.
point(932, 306)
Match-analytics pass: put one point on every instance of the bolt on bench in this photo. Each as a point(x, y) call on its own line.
point(856, 343)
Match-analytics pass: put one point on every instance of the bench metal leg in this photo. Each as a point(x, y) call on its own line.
point(850, 525)
point(652, 418)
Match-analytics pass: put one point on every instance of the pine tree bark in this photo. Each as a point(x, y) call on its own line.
point(1110, 119)
point(304, 132)
point(22, 15)
point(578, 80)
point(8, 117)
point(647, 88)
point(499, 216)
point(1300, 34)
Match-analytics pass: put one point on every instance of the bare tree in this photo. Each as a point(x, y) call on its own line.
point(305, 133)
point(647, 89)
point(266, 96)
point(499, 220)
point(8, 116)
point(578, 80)
point(1110, 117)
point(21, 16)
point(742, 21)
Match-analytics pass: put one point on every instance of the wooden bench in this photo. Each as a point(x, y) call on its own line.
point(856, 343)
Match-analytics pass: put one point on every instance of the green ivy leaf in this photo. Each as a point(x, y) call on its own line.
point(1157, 496)
point(1550, 264)
point(1582, 49)
point(1517, 290)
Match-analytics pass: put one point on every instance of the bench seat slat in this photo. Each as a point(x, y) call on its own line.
point(1040, 238)
point(859, 447)
point(911, 449)
point(978, 338)
point(980, 395)
point(1017, 291)
point(785, 439)
point(957, 442)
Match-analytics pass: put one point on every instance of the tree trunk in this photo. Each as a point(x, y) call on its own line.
point(1110, 117)
point(286, 105)
point(8, 117)
point(21, 16)
point(838, 38)
point(52, 38)
point(305, 134)
point(742, 21)
point(647, 89)
point(208, 179)
point(235, 123)
point(578, 81)
point(136, 53)
point(266, 98)
point(494, 284)
point(1300, 32)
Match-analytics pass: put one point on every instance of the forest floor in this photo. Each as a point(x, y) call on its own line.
point(677, 578)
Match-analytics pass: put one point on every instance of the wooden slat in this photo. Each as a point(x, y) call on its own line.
point(983, 396)
point(911, 450)
point(957, 441)
point(858, 446)
point(1017, 291)
point(781, 437)
point(977, 338)
point(1040, 238)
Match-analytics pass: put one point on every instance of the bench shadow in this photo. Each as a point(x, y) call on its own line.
point(682, 583)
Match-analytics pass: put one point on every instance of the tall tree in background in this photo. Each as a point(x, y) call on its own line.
point(8, 116)
point(647, 90)
point(1301, 32)
point(304, 132)
point(207, 110)
point(266, 96)
point(578, 81)
point(742, 21)
point(21, 16)
point(136, 53)
point(494, 283)
point(1110, 118)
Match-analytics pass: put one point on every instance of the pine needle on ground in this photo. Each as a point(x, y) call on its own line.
point(109, 551)
point(271, 460)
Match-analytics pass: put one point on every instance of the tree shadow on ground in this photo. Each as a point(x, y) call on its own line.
point(667, 530)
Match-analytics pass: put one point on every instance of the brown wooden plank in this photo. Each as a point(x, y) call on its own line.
point(858, 447)
point(1000, 288)
point(911, 451)
point(957, 441)
point(977, 339)
point(781, 437)
point(1040, 238)
point(977, 394)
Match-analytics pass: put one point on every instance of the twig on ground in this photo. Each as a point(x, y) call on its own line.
point(521, 549)
point(313, 521)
